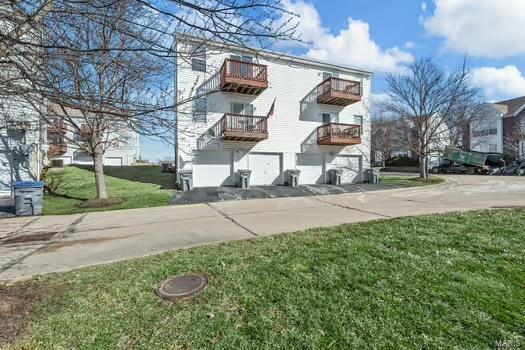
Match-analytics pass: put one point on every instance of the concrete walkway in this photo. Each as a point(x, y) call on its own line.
point(31, 246)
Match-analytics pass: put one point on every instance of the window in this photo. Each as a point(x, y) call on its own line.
point(199, 110)
point(241, 108)
point(522, 152)
point(358, 120)
point(330, 118)
point(485, 128)
point(198, 58)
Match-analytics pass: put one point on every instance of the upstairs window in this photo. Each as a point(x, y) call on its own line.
point(241, 108)
point(330, 118)
point(199, 110)
point(198, 58)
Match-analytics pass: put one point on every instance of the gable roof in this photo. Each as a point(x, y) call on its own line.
point(513, 106)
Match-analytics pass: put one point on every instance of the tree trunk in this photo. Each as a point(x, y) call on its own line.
point(423, 171)
point(98, 160)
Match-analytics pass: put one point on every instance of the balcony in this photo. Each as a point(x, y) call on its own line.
point(339, 134)
point(238, 127)
point(243, 77)
point(56, 149)
point(57, 128)
point(338, 92)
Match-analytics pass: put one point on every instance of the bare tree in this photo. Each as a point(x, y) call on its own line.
point(105, 66)
point(514, 137)
point(384, 138)
point(428, 100)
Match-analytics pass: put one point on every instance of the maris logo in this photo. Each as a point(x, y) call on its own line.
point(507, 344)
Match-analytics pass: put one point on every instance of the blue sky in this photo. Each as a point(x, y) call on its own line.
point(383, 35)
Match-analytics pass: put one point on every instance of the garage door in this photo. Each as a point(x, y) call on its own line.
point(311, 167)
point(5, 174)
point(266, 168)
point(350, 165)
point(212, 168)
point(113, 161)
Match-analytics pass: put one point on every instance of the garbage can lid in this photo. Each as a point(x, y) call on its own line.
point(27, 184)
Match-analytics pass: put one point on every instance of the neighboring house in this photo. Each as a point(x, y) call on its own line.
point(486, 132)
point(124, 149)
point(269, 114)
point(21, 149)
point(502, 130)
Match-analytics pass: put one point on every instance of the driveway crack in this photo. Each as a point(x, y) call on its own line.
point(226, 216)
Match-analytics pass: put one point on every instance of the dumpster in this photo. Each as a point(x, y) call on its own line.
point(335, 176)
point(371, 176)
point(293, 177)
point(244, 178)
point(186, 180)
point(28, 197)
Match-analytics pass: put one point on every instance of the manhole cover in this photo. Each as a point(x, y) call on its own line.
point(182, 287)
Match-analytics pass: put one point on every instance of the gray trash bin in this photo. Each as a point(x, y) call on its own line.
point(28, 198)
point(371, 176)
point(335, 176)
point(293, 177)
point(244, 178)
point(186, 180)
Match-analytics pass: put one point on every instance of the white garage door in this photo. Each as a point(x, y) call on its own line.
point(212, 168)
point(113, 161)
point(311, 167)
point(5, 174)
point(266, 168)
point(350, 165)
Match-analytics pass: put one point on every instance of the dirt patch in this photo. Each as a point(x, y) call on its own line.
point(100, 203)
point(46, 236)
point(16, 304)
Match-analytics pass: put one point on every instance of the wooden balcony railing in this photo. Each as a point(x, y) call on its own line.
point(57, 128)
point(56, 149)
point(243, 77)
point(339, 134)
point(339, 92)
point(239, 127)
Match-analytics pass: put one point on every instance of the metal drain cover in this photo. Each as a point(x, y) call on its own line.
point(182, 287)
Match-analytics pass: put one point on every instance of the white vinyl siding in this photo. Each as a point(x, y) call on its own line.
point(292, 128)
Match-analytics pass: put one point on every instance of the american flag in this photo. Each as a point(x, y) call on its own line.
point(272, 109)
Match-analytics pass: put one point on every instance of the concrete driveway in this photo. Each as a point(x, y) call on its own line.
point(31, 246)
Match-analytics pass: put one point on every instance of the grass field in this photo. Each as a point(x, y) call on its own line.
point(138, 186)
point(408, 181)
point(431, 282)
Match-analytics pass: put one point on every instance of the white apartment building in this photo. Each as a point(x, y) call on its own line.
point(486, 132)
point(501, 130)
point(269, 113)
point(21, 149)
point(123, 149)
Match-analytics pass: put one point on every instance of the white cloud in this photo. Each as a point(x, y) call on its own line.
point(499, 83)
point(351, 46)
point(489, 28)
point(424, 6)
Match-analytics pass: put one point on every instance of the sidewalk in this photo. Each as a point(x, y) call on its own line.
point(31, 246)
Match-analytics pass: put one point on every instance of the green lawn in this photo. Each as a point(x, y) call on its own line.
point(139, 186)
point(409, 181)
point(431, 282)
